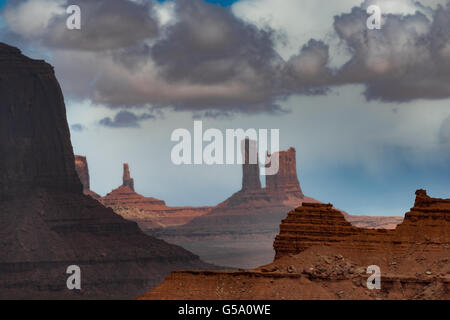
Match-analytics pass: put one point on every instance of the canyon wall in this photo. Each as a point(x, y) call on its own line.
point(46, 222)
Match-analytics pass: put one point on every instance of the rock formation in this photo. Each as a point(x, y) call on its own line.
point(147, 212)
point(46, 223)
point(244, 225)
point(250, 168)
point(247, 222)
point(81, 166)
point(285, 182)
point(319, 255)
point(127, 180)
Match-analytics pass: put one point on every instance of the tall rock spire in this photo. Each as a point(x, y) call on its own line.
point(81, 166)
point(250, 168)
point(127, 180)
point(286, 180)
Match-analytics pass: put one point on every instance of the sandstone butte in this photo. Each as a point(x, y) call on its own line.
point(147, 212)
point(320, 255)
point(46, 222)
point(239, 232)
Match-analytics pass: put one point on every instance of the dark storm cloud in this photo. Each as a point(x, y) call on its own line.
point(208, 61)
point(210, 45)
point(125, 119)
point(308, 71)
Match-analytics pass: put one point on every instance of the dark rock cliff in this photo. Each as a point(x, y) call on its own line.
point(46, 222)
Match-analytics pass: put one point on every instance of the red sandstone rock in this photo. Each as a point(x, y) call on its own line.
point(148, 212)
point(81, 166)
point(286, 180)
point(46, 223)
point(127, 180)
point(247, 222)
point(322, 256)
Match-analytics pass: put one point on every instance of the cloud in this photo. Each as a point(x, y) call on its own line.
point(195, 56)
point(77, 127)
point(125, 119)
point(407, 59)
point(105, 24)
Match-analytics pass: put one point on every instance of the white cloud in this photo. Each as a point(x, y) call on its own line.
point(31, 18)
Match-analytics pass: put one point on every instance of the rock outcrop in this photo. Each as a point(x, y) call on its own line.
point(127, 180)
point(46, 222)
point(319, 255)
point(147, 212)
point(285, 182)
point(82, 168)
point(250, 168)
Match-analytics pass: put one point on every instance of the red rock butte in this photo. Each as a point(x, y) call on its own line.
point(247, 222)
point(148, 212)
point(46, 222)
point(319, 255)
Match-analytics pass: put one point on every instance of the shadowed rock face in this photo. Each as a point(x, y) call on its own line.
point(46, 222)
point(30, 99)
point(250, 168)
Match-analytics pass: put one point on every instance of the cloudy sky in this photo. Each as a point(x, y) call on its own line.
point(367, 110)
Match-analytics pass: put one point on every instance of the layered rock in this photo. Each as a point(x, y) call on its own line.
point(46, 223)
point(310, 224)
point(147, 212)
point(82, 168)
point(319, 255)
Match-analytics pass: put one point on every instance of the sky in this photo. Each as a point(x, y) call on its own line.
point(368, 111)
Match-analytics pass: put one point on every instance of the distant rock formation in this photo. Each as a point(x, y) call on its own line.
point(46, 223)
point(248, 220)
point(250, 168)
point(285, 182)
point(319, 255)
point(312, 224)
point(147, 212)
point(127, 180)
point(81, 166)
